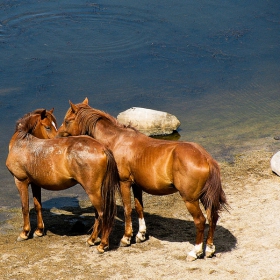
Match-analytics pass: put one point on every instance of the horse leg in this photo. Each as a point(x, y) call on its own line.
point(126, 198)
point(94, 239)
point(138, 200)
point(22, 187)
point(36, 191)
point(199, 221)
point(212, 219)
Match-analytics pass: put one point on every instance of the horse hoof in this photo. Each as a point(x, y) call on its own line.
point(89, 243)
point(20, 238)
point(210, 251)
point(36, 235)
point(191, 258)
point(100, 250)
point(125, 242)
point(140, 237)
point(92, 243)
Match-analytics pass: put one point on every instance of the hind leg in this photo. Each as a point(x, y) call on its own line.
point(210, 247)
point(199, 221)
point(94, 237)
point(141, 235)
point(36, 191)
point(98, 226)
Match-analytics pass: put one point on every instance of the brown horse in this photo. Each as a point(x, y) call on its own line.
point(58, 164)
point(158, 167)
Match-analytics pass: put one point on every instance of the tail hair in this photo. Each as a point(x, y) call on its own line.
point(212, 195)
point(110, 186)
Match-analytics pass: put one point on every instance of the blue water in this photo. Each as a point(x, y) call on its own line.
point(213, 64)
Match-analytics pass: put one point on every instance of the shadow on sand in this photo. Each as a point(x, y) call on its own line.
point(74, 220)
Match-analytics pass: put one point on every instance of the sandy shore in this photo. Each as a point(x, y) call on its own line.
point(247, 238)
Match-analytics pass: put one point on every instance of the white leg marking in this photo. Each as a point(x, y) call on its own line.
point(142, 225)
point(196, 251)
point(210, 250)
point(140, 237)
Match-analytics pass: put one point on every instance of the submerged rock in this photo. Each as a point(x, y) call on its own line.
point(148, 121)
point(275, 163)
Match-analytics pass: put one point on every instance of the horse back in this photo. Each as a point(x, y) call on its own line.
point(57, 162)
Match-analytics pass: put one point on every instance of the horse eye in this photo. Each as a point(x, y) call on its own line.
point(48, 127)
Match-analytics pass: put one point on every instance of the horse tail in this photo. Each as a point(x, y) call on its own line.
point(110, 186)
point(212, 195)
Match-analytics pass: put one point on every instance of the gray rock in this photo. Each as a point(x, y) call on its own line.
point(148, 121)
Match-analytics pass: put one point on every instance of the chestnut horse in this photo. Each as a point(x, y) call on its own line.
point(158, 167)
point(58, 164)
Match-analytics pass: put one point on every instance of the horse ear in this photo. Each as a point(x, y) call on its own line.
point(51, 111)
point(73, 107)
point(44, 114)
point(85, 101)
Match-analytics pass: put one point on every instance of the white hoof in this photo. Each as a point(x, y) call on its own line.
point(140, 237)
point(210, 251)
point(125, 241)
point(95, 242)
point(35, 235)
point(21, 238)
point(195, 253)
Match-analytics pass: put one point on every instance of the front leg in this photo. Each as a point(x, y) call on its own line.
point(22, 187)
point(36, 191)
point(126, 198)
point(138, 200)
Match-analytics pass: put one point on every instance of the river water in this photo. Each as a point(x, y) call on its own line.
point(213, 64)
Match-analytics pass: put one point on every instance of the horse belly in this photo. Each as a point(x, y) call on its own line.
point(154, 186)
point(51, 180)
point(159, 190)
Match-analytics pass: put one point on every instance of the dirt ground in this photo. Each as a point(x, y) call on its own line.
point(247, 238)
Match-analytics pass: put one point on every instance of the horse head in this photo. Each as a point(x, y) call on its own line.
point(81, 119)
point(72, 126)
point(40, 123)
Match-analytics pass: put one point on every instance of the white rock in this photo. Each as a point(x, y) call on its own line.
point(275, 163)
point(148, 121)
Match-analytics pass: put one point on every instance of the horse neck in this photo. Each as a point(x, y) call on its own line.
point(107, 133)
point(18, 139)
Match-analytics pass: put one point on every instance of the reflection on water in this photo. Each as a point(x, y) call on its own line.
point(175, 136)
point(213, 64)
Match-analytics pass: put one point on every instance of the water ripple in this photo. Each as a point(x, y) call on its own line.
point(92, 29)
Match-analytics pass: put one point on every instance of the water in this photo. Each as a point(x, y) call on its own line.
point(213, 64)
